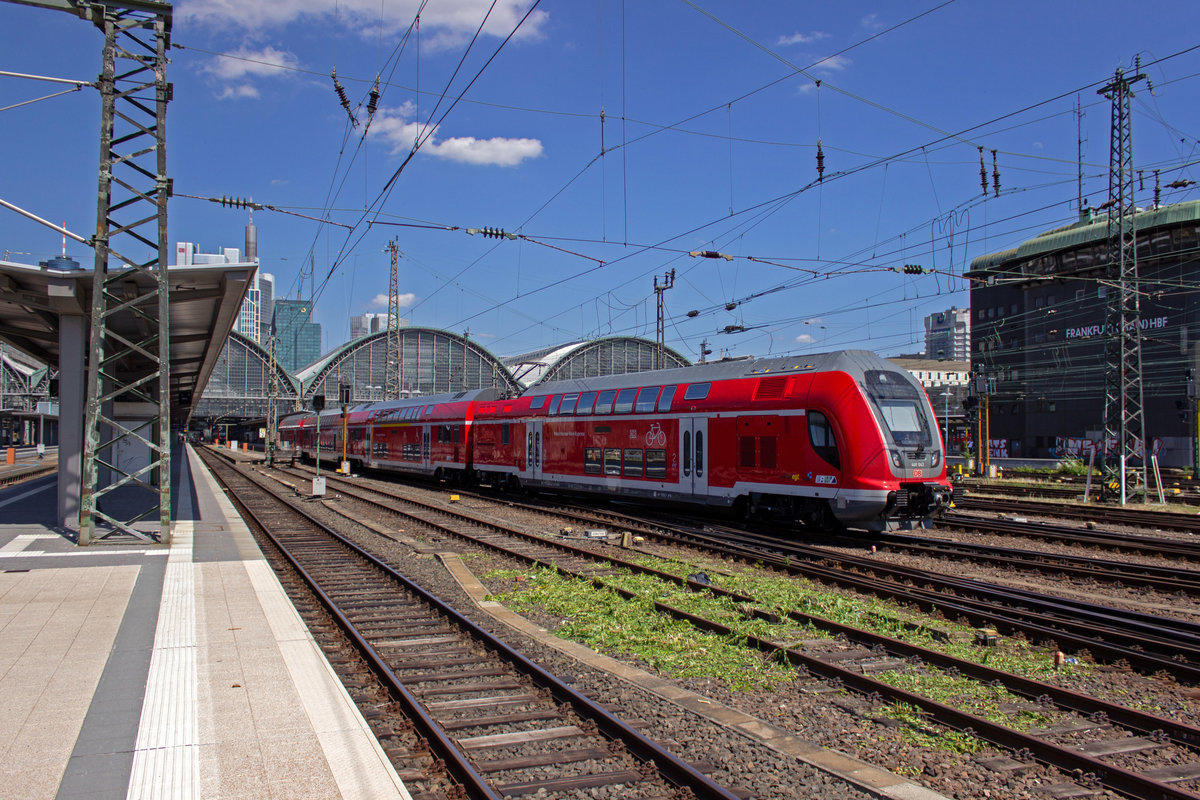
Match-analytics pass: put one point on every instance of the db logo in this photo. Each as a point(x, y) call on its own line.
point(918, 473)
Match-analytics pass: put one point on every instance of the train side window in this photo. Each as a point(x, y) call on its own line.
point(820, 433)
point(697, 391)
point(585, 403)
point(625, 401)
point(553, 410)
point(633, 462)
point(746, 449)
point(699, 454)
point(687, 453)
point(656, 463)
point(456, 434)
point(646, 399)
point(505, 434)
point(612, 461)
point(591, 461)
point(664, 400)
point(766, 452)
point(568, 404)
point(537, 402)
point(604, 401)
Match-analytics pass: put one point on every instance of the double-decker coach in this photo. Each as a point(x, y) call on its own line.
point(845, 437)
point(421, 435)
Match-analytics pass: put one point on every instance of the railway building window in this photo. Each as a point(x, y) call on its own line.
point(633, 462)
point(820, 434)
point(568, 404)
point(656, 463)
point(553, 410)
point(625, 401)
point(699, 454)
point(687, 453)
point(505, 434)
point(697, 391)
point(646, 399)
point(604, 401)
point(664, 399)
point(591, 461)
point(612, 461)
point(585, 403)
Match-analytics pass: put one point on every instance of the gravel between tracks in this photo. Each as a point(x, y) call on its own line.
point(805, 707)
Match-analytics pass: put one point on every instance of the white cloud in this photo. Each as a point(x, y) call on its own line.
point(446, 23)
point(231, 71)
point(239, 63)
point(804, 338)
point(396, 126)
point(871, 22)
point(498, 151)
point(238, 92)
point(801, 38)
point(381, 300)
point(833, 63)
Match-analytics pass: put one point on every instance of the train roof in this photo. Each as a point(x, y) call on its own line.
point(432, 399)
point(407, 402)
point(853, 362)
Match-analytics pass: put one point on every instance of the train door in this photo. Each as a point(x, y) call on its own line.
point(533, 449)
point(693, 455)
point(425, 446)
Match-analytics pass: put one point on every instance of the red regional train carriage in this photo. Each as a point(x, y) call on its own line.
point(839, 438)
point(843, 436)
point(422, 435)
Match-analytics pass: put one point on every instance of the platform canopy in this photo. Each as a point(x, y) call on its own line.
point(205, 301)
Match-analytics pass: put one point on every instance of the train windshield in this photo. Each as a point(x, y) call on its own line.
point(899, 408)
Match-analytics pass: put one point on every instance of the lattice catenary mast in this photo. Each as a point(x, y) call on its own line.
point(1124, 420)
point(391, 384)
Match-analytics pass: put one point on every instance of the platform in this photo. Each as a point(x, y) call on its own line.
point(145, 671)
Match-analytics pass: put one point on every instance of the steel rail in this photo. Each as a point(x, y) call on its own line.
point(671, 767)
point(1125, 781)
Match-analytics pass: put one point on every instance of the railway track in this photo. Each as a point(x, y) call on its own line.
point(1063, 495)
point(27, 474)
point(1147, 643)
point(1119, 542)
point(501, 725)
point(1111, 730)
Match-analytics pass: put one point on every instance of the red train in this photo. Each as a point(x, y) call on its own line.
point(839, 438)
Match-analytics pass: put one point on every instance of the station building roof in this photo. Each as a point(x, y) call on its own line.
point(1092, 227)
point(204, 303)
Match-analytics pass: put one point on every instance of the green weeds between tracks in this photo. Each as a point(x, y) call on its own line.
point(608, 623)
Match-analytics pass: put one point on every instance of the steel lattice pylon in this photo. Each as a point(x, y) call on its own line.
point(1124, 420)
point(391, 389)
point(128, 368)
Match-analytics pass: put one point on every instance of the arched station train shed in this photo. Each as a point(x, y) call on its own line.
point(432, 361)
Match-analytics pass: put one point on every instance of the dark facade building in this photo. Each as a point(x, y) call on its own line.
point(298, 338)
point(1038, 331)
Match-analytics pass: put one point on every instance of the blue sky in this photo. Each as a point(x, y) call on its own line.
point(712, 115)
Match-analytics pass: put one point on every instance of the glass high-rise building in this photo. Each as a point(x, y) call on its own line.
point(298, 338)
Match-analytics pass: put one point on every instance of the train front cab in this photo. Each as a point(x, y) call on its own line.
point(913, 451)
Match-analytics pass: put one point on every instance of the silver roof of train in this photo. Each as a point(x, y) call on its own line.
point(853, 362)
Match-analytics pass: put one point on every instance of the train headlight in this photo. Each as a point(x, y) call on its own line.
point(896, 459)
point(935, 459)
